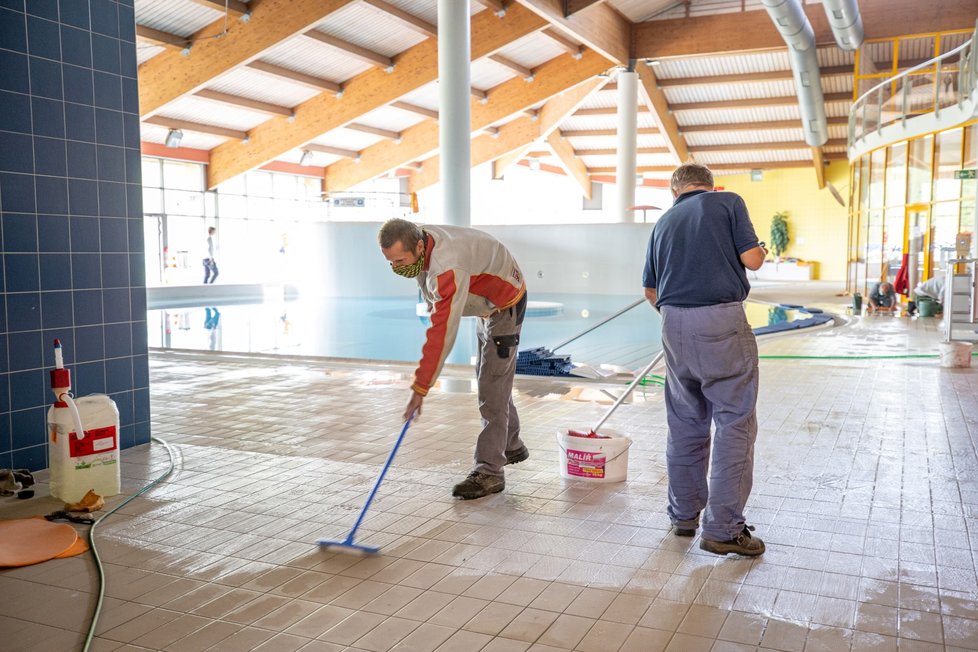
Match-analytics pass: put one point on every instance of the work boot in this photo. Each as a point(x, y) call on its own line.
point(478, 485)
point(742, 544)
point(519, 455)
point(685, 531)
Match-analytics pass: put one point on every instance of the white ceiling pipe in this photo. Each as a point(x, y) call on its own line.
point(792, 23)
point(845, 21)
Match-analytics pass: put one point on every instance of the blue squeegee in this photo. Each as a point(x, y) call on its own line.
point(348, 542)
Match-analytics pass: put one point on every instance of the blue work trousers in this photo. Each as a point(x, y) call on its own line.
point(711, 355)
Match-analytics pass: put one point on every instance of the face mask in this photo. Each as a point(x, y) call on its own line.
point(412, 270)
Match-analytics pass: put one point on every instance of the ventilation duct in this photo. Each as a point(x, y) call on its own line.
point(792, 23)
point(846, 23)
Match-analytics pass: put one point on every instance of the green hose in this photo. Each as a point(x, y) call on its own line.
point(98, 560)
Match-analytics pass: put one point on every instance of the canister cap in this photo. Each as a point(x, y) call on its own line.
point(60, 378)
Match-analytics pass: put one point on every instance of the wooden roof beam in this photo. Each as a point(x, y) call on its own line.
point(658, 106)
point(574, 48)
point(195, 127)
point(371, 89)
point(574, 6)
point(752, 31)
point(788, 100)
point(234, 8)
point(243, 102)
point(420, 110)
point(506, 62)
point(163, 39)
point(757, 126)
point(570, 162)
point(335, 151)
point(170, 75)
point(353, 50)
point(376, 131)
point(599, 27)
point(408, 20)
point(299, 77)
point(509, 99)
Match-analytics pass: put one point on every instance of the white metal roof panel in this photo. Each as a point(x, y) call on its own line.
point(157, 134)
point(703, 66)
point(347, 139)
point(486, 74)
point(387, 117)
point(426, 96)
point(361, 25)
point(257, 85)
point(708, 138)
point(638, 11)
point(145, 52)
point(532, 50)
point(720, 92)
point(313, 58)
point(180, 17)
point(209, 112)
point(585, 143)
point(318, 158)
point(721, 158)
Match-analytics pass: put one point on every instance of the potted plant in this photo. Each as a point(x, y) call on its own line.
point(779, 234)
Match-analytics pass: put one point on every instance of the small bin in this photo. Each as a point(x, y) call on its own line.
point(955, 355)
point(926, 307)
point(597, 458)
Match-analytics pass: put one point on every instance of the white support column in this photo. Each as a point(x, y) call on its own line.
point(627, 134)
point(454, 119)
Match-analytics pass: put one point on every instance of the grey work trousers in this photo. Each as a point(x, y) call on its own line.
point(711, 356)
point(500, 421)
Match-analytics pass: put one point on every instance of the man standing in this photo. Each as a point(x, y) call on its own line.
point(210, 263)
point(465, 272)
point(694, 275)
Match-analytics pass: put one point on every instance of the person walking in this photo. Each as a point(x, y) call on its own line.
point(695, 277)
point(210, 263)
point(466, 272)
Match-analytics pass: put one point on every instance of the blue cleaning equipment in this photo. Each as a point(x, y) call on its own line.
point(348, 542)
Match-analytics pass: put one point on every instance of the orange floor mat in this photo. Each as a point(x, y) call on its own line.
point(26, 541)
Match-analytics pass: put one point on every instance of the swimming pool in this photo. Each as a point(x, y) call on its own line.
point(388, 328)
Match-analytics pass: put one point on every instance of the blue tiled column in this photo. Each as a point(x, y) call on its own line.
point(71, 216)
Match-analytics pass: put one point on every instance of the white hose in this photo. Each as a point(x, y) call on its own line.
point(75, 415)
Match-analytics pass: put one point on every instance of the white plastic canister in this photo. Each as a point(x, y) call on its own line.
point(90, 462)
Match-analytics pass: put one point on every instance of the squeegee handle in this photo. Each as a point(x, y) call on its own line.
point(628, 390)
point(380, 478)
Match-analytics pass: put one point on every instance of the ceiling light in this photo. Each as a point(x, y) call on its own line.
point(173, 138)
point(534, 164)
point(756, 175)
point(306, 158)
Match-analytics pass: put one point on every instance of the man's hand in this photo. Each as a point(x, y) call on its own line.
point(413, 406)
point(651, 294)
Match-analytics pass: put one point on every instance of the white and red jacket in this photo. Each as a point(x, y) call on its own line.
point(467, 273)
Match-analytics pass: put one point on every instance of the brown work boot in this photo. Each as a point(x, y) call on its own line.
point(477, 485)
point(519, 455)
point(742, 544)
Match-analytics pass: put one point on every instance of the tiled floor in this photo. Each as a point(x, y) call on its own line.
point(866, 492)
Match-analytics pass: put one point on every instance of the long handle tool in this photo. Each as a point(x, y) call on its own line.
point(628, 390)
point(348, 542)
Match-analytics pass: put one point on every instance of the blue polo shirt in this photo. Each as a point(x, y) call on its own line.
point(694, 251)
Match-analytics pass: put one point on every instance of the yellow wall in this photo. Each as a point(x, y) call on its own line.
point(817, 224)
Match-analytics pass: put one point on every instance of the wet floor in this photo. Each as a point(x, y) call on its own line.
point(865, 491)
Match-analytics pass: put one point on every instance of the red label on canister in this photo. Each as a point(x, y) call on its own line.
point(97, 440)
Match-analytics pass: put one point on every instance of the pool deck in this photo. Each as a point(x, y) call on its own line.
point(865, 491)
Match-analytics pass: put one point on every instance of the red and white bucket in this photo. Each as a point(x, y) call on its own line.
point(594, 457)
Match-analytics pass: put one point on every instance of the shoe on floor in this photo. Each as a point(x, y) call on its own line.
point(685, 531)
point(519, 455)
point(477, 485)
point(742, 544)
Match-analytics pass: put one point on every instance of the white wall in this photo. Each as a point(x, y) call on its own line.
point(579, 259)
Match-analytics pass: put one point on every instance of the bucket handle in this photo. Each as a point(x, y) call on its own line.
point(607, 460)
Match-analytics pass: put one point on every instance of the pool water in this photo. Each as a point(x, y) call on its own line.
point(388, 328)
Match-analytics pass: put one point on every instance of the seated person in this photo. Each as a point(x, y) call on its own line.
point(882, 298)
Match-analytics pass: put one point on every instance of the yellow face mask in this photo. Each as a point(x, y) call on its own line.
point(412, 270)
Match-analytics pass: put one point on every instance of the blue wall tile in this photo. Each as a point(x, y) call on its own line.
point(45, 78)
point(112, 205)
point(19, 232)
point(115, 272)
point(16, 152)
point(84, 234)
point(44, 38)
point(79, 86)
point(82, 160)
point(89, 346)
point(74, 13)
point(89, 377)
point(108, 127)
point(115, 305)
point(16, 75)
point(105, 18)
point(141, 404)
point(118, 377)
point(55, 275)
point(43, 8)
point(137, 270)
point(122, 397)
point(137, 298)
point(108, 91)
point(118, 340)
point(13, 31)
point(17, 193)
point(21, 272)
point(88, 312)
point(4, 386)
point(52, 195)
point(80, 122)
point(15, 112)
point(56, 308)
point(4, 368)
point(105, 54)
point(142, 432)
point(140, 344)
point(130, 130)
point(24, 352)
point(134, 199)
point(86, 273)
point(82, 197)
point(35, 457)
point(16, 5)
point(23, 311)
point(26, 390)
point(29, 428)
point(113, 234)
point(48, 116)
point(127, 24)
point(76, 46)
point(50, 157)
point(55, 230)
point(130, 98)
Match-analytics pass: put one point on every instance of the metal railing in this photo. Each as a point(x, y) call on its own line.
point(925, 89)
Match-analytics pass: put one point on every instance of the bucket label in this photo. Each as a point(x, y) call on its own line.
point(97, 440)
point(585, 464)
